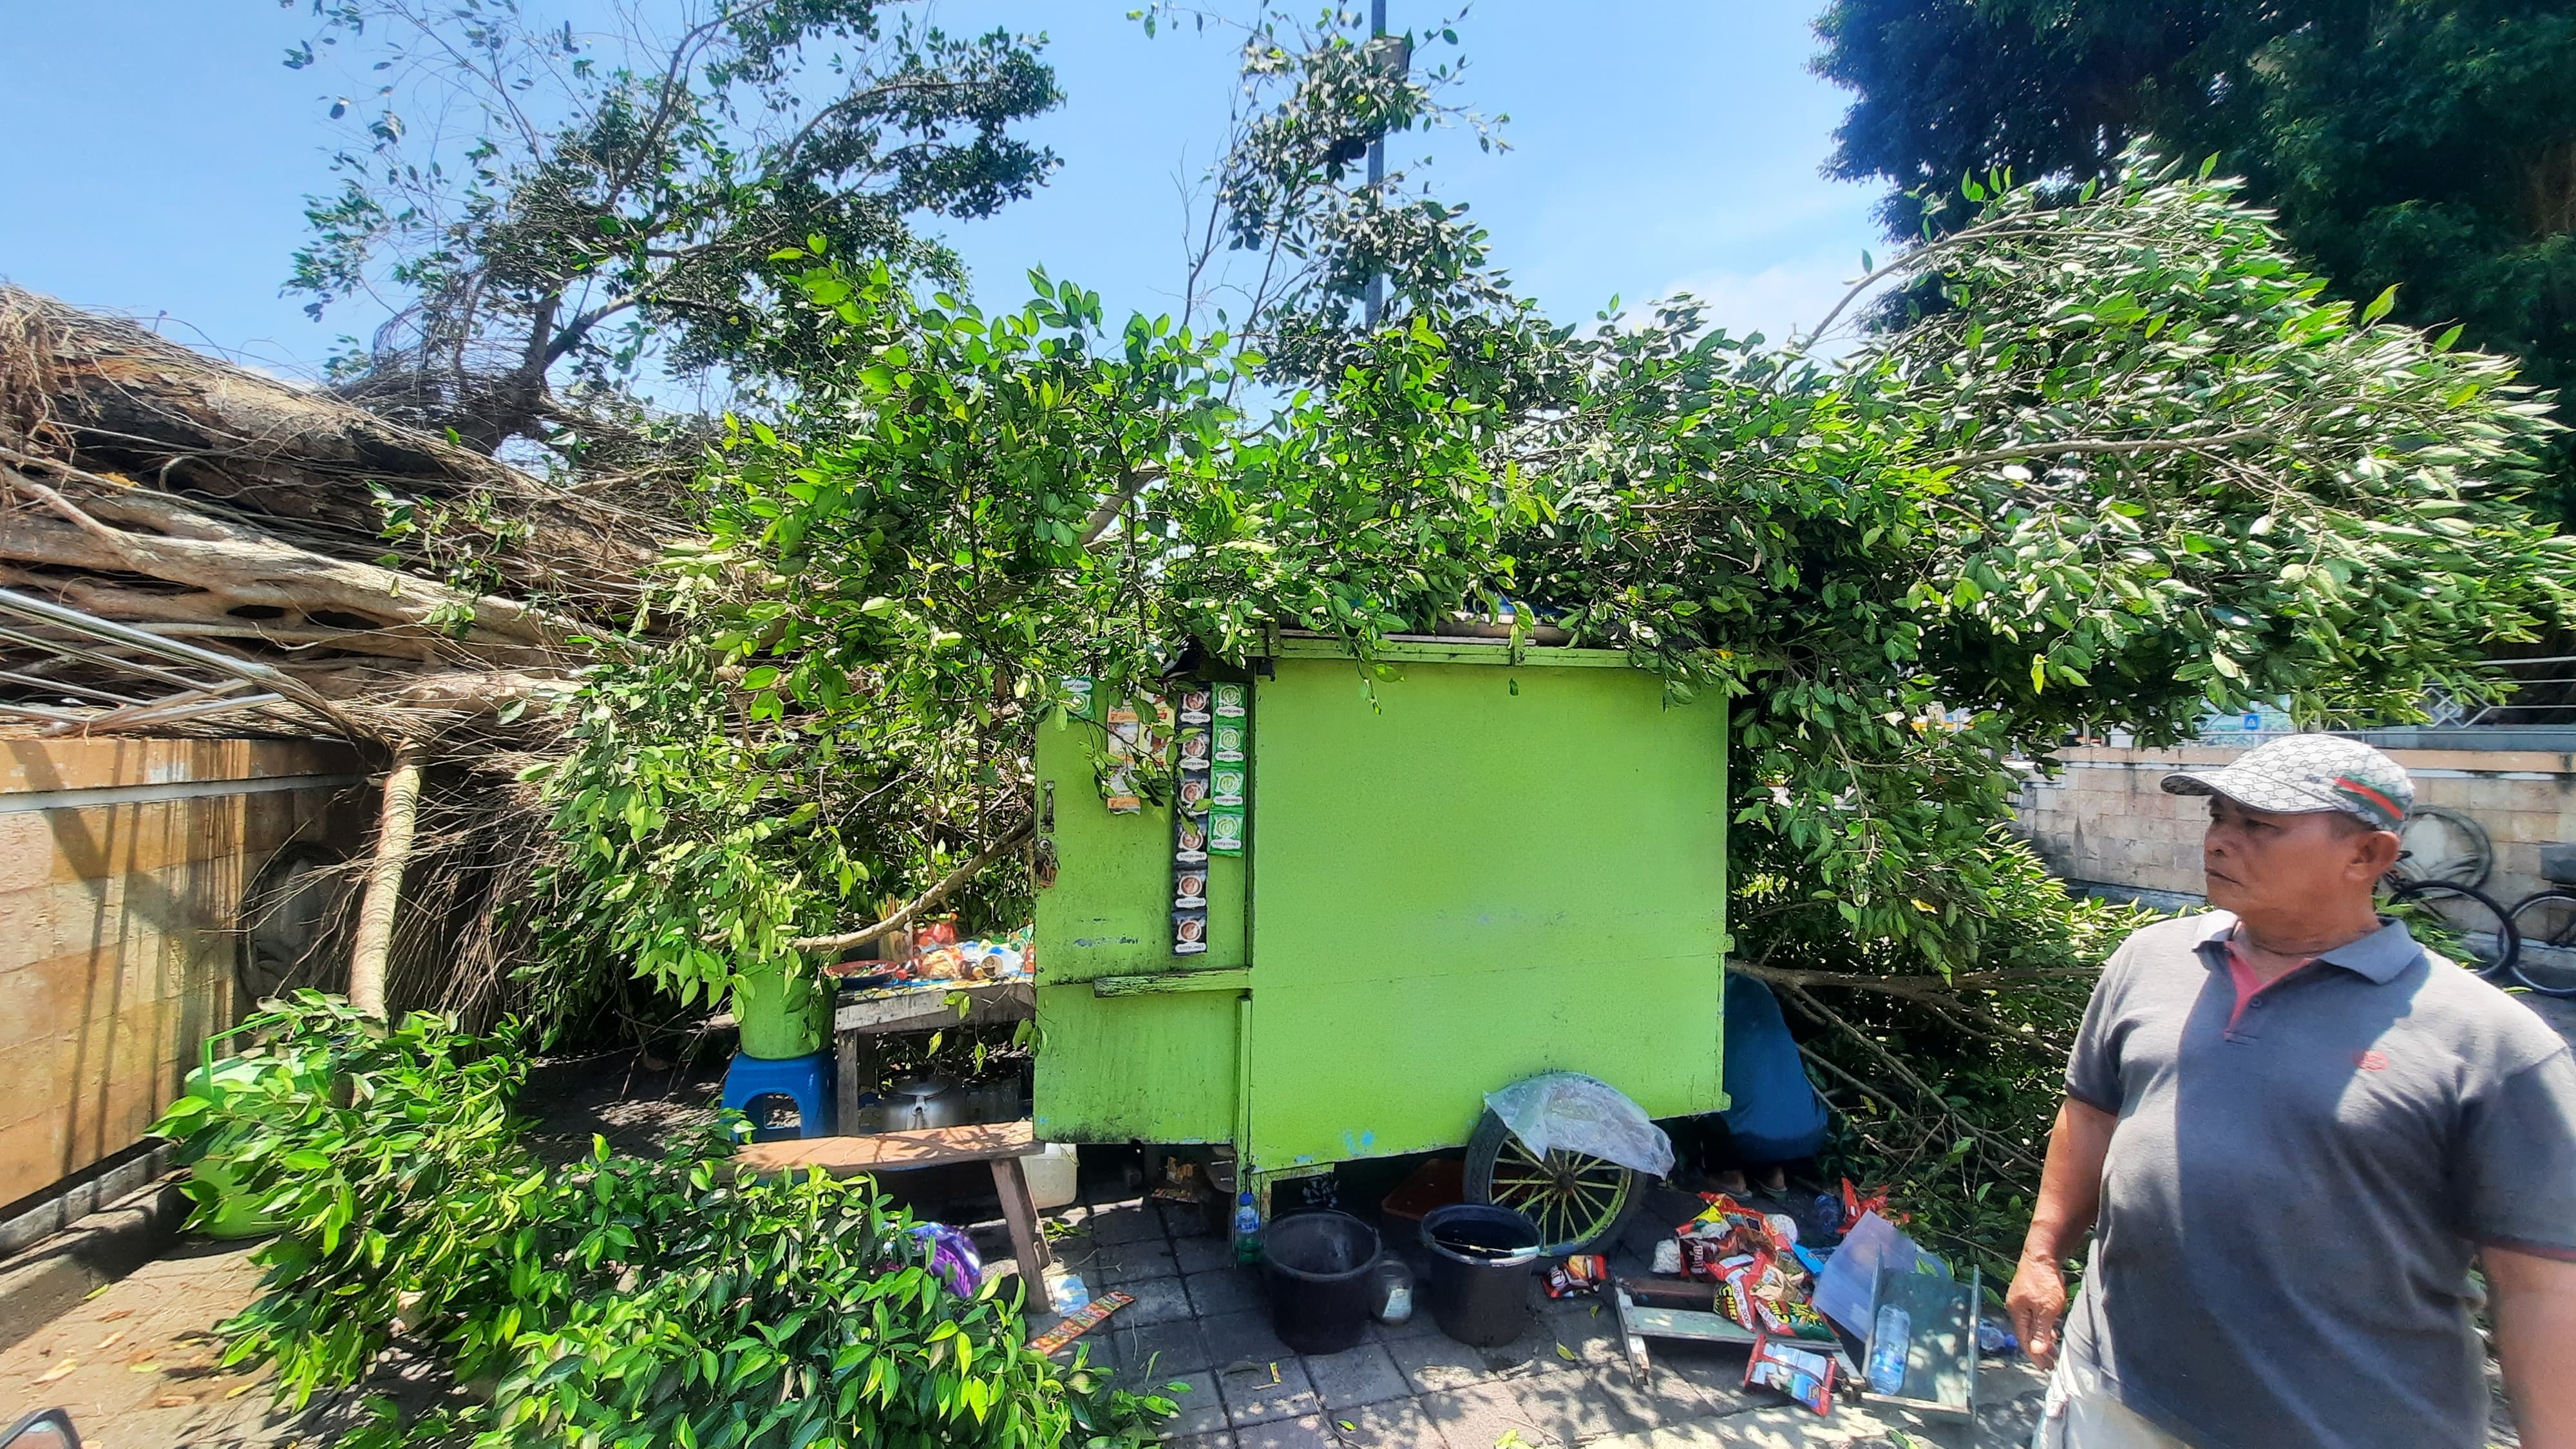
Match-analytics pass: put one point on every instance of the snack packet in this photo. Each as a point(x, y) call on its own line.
point(1804, 1374)
point(1581, 1273)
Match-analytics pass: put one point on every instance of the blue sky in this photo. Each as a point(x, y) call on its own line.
point(159, 154)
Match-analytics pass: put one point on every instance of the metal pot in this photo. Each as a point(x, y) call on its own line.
point(920, 1105)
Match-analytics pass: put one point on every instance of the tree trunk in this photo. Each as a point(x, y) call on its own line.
point(374, 945)
point(159, 536)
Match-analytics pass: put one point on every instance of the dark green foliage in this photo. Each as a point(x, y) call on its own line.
point(612, 1301)
point(2428, 145)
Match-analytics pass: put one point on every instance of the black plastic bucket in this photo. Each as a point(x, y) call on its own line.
point(1480, 1271)
point(1319, 1266)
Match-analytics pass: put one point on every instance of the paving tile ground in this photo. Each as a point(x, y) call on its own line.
point(136, 1366)
point(1561, 1384)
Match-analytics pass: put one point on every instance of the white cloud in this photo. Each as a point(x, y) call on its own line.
point(1776, 301)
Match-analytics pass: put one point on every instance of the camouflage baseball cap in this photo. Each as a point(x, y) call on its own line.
point(2302, 774)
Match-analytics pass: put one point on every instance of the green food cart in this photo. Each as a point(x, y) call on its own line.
point(1501, 862)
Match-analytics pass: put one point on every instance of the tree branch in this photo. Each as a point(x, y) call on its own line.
point(249, 568)
point(1898, 1068)
point(1909, 985)
point(1910, 260)
point(1131, 483)
point(923, 902)
point(2092, 446)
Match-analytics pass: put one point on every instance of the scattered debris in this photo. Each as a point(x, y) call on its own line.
point(1076, 1325)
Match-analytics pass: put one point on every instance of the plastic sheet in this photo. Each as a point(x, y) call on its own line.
point(1576, 1113)
point(1847, 1289)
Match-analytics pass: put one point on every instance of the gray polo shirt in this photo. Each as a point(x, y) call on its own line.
point(2291, 1201)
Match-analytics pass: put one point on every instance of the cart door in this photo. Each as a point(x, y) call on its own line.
point(1134, 1042)
point(1468, 875)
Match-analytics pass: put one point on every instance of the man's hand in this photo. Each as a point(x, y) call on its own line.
point(2070, 1194)
point(2036, 1303)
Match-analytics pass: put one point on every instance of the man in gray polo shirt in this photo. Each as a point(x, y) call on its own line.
point(2290, 1130)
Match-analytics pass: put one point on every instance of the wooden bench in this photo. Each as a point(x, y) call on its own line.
point(1002, 1144)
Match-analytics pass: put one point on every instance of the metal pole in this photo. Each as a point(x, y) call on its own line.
point(1376, 176)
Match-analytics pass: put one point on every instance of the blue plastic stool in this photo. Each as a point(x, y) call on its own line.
point(805, 1080)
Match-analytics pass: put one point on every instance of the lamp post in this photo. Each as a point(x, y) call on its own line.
point(1377, 168)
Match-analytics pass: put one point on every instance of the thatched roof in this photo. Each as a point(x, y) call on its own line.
point(243, 536)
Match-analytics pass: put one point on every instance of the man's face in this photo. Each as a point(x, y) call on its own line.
point(2266, 864)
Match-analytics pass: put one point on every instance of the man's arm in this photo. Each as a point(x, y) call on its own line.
point(2070, 1195)
point(2535, 1330)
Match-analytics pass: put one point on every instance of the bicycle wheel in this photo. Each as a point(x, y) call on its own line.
point(2464, 924)
point(2444, 845)
point(2546, 921)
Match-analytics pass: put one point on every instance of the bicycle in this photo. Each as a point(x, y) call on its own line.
point(2462, 922)
point(2546, 922)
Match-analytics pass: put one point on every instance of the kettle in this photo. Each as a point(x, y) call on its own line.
point(924, 1103)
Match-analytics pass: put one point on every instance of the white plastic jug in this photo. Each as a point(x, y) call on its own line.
point(1053, 1172)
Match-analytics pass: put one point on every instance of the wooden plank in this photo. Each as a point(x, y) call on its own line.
point(1237, 979)
point(1672, 1293)
point(1028, 1241)
point(927, 1007)
point(845, 1081)
point(890, 1151)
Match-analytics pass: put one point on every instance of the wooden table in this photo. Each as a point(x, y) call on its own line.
point(1002, 1144)
point(862, 1017)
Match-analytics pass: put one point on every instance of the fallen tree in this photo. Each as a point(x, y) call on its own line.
point(188, 546)
point(313, 470)
point(2132, 466)
point(193, 499)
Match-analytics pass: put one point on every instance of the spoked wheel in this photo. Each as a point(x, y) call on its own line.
point(295, 920)
point(2463, 924)
point(2547, 924)
point(2444, 845)
point(1577, 1201)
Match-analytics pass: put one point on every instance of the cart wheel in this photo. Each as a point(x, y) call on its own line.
point(294, 923)
point(1577, 1201)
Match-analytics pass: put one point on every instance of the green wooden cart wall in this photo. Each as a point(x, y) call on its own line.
point(1485, 868)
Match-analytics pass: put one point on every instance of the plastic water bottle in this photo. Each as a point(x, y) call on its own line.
point(1070, 1293)
point(1394, 1290)
point(1887, 1349)
point(1247, 1230)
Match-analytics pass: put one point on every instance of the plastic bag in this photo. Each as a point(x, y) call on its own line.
point(953, 1259)
point(1576, 1113)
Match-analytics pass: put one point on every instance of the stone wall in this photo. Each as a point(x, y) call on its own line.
point(2104, 820)
point(123, 864)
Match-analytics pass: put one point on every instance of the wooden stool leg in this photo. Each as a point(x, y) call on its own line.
point(846, 1095)
point(1028, 1238)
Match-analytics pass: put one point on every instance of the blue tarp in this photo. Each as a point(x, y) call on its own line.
point(1776, 1116)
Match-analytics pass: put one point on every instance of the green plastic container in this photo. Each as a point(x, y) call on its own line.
point(782, 1016)
point(235, 1213)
